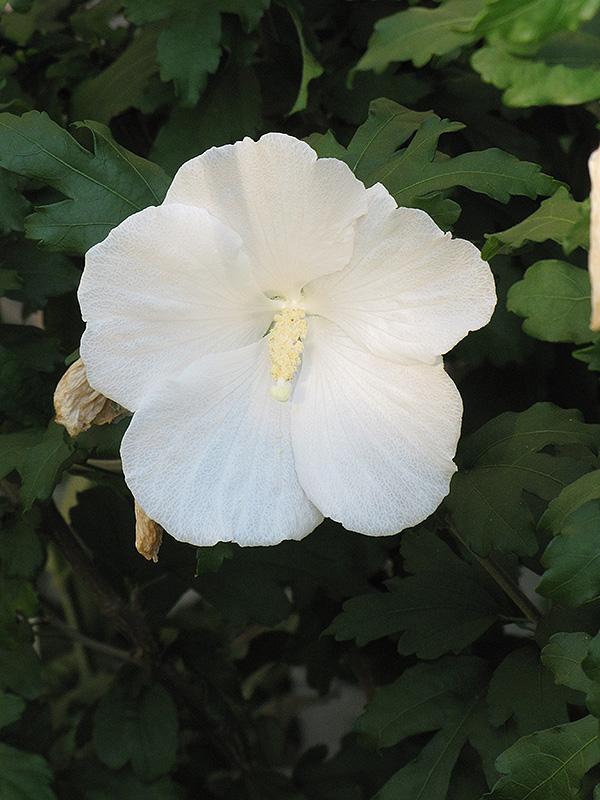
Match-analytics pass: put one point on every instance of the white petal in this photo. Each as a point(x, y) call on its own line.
point(410, 291)
point(373, 440)
point(209, 457)
point(295, 213)
point(167, 285)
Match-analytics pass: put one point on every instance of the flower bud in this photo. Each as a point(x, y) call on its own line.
point(78, 406)
point(148, 535)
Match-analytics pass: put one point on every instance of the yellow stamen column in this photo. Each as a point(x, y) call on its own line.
point(286, 343)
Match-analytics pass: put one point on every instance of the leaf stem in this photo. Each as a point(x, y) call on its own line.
point(504, 581)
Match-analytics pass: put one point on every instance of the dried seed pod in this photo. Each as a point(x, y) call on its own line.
point(78, 406)
point(148, 535)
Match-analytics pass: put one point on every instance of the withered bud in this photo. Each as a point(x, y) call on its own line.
point(594, 257)
point(148, 535)
point(78, 406)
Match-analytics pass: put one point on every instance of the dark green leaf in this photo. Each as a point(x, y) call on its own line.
point(548, 764)
point(563, 656)
point(102, 187)
point(24, 776)
point(121, 85)
point(554, 299)
point(43, 465)
point(534, 701)
point(425, 698)
point(11, 708)
point(137, 725)
point(189, 48)
point(500, 462)
point(440, 608)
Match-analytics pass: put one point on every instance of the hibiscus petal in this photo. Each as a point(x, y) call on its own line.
point(373, 440)
point(295, 213)
point(209, 457)
point(168, 285)
point(410, 291)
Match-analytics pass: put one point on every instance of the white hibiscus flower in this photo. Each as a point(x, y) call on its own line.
point(276, 328)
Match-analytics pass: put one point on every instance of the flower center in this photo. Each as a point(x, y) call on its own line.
point(286, 343)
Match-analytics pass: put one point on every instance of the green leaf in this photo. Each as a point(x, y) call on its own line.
point(21, 553)
point(210, 559)
point(230, 110)
point(14, 448)
point(311, 68)
point(441, 607)
point(25, 776)
point(9, 279)
point(43, 465)
point(534, 701)
point(526, 22)
point(121, 85)
point(428, 776)
point(425, 698)
point(572, 559)
point(11, 708)
point(137, 724)
point(142, 11)
point(418, 34)
point(571, 498)
point(548, 764)
point(20, 668)
point(102, 187)
point(189, 48)
point(559, 219)
point(40, 274)
point(13, 206)
point(418, 175)
point(501, 461)
point(96, 783)
point(554, 299)
point(250, 11)
point(564, 655)
point(531, 82)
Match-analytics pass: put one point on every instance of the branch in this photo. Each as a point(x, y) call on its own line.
point(504, 581)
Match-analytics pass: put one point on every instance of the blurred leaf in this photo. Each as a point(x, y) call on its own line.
point(142, 11)
point(189, 48)
point(560, 219)
point(41, 274)
point(526, 22)
point(311, 68)
point(534, 701)
point(43, 465)
point(137, 724)
point(418, 34)
point(13, 206)
point(209, 559)
point(504, 459)
point(554, 299)
point(563, 656)
point(425, 698)
point(97, 783)
point(532, 82)
point(24, 776)
point(21, 553)
point(230, 110)
point(250, 11)
point(548, 764)
point(11, 708)
point(429, 774)
point(441, 607)
point(102, 187)
point(121, 85)
point(20, 667)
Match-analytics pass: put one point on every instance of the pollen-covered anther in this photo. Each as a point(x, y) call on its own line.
point(286, 344)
